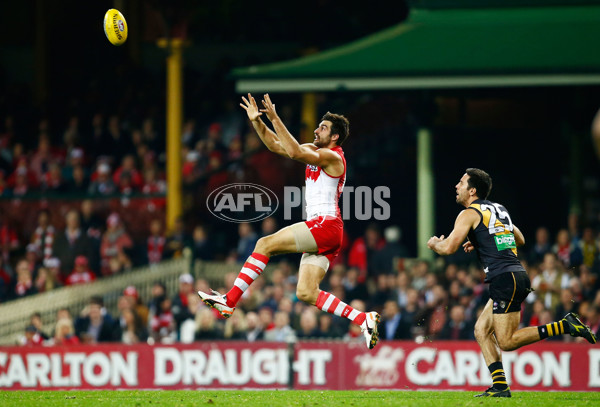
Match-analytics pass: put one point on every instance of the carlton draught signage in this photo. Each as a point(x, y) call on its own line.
point(314, 365)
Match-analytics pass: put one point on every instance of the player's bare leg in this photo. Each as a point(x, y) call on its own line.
point(486, 337)
point(509, 336)
point(312, 271)
point(280, 242)
point(484, 334)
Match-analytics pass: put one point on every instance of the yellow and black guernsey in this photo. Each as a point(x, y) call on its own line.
point(494, 240)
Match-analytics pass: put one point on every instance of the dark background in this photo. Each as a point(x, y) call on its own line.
point(55, 62)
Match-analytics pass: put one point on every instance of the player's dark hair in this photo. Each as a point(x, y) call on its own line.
point(481, 181)
point(339, 125)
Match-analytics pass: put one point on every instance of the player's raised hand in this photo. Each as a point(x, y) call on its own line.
point(249, 105)
point(468, 247)
point(269, 109)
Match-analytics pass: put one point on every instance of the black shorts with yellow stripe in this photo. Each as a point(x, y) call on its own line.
point(508, 290)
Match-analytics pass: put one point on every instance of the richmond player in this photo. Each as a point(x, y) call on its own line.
point(494, 237)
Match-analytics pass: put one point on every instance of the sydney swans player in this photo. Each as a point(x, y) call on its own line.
point(492, 235)
point(320, 237)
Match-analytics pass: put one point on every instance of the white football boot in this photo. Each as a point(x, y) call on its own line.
point(217, 301)
point(369, 329)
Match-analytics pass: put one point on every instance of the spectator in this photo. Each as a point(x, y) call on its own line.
point(45, 280)
point(567, 303)
point(363, 250)
point(102, 184)
point(383, 292)
point(5, 281)
point(392, 326)
point(589, 248)
point(79, 182)
point(548, 284)
point(9, 242)
point(206, 324)
point(383, 260)
point(282, 331)
point(75, 159)
point(180, 307)
point(81, 273)
point(24, 286)
point(91, 222)
point(411, 310)
point(563, 247)
point(42, 158)
point(36, 320)
point(435, 315)
point(72, 242)
point(202, 248)
point(162, 324)
point(235, 327)
point(53, 181)
point(134, 330)
point(592, 318)
point(135, 303)
point(96, 325)
point(457, 328)
point(541, 247)
point(327, 329)
point(254, 329)
point(187, 329)
point(31, 337)
point(353, 288)
point(155, 244)
point(115, 246)
point(158, 291)
point(54, 278)
point(247, 241)
point(43, 235)
point(128, 168)
point(177, 240)
point(65, 333)
point(403, 284)
point(308, 325)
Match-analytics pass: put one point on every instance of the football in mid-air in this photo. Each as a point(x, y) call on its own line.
point(115, 27)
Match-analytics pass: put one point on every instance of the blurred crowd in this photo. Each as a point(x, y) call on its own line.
point(418, 300)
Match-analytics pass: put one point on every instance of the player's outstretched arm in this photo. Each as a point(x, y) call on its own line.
point(268, 137)
point(307, 153)
point(465, 221)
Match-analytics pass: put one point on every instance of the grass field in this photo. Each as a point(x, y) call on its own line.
point(289, 398)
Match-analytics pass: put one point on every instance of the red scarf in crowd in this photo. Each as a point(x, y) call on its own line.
point(43, 239)
point(156, 246)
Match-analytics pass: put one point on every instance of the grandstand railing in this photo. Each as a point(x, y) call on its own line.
point(15, 315)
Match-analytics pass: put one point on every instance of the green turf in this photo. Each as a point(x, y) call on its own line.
point(290, 398)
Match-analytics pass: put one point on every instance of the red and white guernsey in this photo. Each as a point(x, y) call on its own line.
point(323, 191)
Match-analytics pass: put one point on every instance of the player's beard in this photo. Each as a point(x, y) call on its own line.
point(320, 142)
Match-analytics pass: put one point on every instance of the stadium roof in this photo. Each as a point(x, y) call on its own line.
point(450, 48)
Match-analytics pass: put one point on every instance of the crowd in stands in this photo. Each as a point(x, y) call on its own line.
point(417, 300)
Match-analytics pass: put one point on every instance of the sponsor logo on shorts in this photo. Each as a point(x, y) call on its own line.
point(502, 304)
point(242, 202)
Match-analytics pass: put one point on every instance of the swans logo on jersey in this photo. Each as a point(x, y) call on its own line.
point(312, 172)
point(242, 202)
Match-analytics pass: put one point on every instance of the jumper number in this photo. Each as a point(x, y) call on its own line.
point(497, 214)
